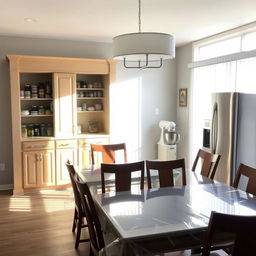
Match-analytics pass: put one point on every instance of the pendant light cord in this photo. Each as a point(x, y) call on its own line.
point(139, 16)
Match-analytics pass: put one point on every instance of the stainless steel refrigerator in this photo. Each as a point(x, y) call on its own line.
point(233, 132)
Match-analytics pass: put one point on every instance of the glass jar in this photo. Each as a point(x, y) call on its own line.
point(30, 130)
point(43, 130)
point(47, 111)
point(49, 130)
point(41, 90)
point(27, 91)
point(24, 131)
point(34, 110)
point(41, 110)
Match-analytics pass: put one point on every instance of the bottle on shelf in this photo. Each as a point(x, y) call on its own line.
point(27, 91)
point(24, 131)
point(48, 90)
point(41, 90)
point(36, 130)
point(34, 91)
point(30, 130)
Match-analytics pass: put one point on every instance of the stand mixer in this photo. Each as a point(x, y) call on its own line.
point(168, 141)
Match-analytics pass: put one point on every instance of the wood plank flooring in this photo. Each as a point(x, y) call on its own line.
point(39, 224)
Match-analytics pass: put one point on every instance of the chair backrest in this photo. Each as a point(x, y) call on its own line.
point(108, 152)
point(209, 163)
point(94, 226)
point(251, 174)
point(242, 228)
point(165, 171)
point(72, 172)
point(123, 174)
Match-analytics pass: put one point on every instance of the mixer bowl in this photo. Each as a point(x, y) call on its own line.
point(171, 137)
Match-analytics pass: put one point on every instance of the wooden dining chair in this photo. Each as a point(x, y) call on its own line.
point(241, 228)
point(94, 226)
point(251, 174)
point(108, 152)
point(123, 174)
point(209, 163)
point(165, 171)
point(79, 213)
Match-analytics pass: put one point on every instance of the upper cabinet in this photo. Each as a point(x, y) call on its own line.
point(64, 104)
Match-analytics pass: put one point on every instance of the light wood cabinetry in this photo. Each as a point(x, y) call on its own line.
point(65, 150)
point(65, 104)
point(84, 150)
point(37, 166)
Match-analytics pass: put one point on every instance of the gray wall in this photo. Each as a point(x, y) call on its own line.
point(158, 89)
point(183, 57)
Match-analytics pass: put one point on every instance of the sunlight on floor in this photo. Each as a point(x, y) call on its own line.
point(53, 201)
point(20, 204)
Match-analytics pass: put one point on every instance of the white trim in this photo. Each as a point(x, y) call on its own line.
point(6, 187)
point(223, 59)
point(226, 34)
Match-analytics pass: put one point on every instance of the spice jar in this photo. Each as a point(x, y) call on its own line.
point(41, 90)
point(24, 131)
point(34, 110)
point(41, 110)
point(27, 91)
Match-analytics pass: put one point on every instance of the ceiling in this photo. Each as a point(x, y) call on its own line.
point(100, 20)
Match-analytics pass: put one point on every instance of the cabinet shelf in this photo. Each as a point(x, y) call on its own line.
point(90, 98)
point(36, 115)
point(87, 111)
point(36, 99)
point(90, 89)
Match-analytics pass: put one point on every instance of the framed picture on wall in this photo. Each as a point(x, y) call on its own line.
point(183, 97)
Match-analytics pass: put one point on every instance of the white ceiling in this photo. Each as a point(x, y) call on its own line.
point(100, 20)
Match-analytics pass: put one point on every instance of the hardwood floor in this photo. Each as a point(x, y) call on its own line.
point(39, 224)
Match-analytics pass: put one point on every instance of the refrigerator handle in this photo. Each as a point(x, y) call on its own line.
point(214, 128)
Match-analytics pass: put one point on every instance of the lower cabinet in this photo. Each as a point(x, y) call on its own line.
point(84, 151)
point(38, 168)
point(44, 162)
point(65, 150)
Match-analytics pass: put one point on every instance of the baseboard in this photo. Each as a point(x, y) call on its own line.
point(6, 186)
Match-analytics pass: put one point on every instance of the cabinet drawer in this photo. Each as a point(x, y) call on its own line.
point(37, 145)
point(66, 144)
point(86, 142)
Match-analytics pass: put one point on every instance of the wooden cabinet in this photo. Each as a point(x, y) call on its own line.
point(84, 151)
point(38, 165)
point(65, 104)
point(65, 150)
point(35, 165)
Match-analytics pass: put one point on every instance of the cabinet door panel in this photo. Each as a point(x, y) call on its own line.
point(47, 168)
point(84, 157)
point(61, 170)
point(30, 169)
point(65, 104)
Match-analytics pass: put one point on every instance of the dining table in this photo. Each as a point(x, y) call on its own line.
point(158, 220)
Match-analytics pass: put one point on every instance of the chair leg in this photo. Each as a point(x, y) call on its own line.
point(74, 221)
point(91, 252)
point(78, 231)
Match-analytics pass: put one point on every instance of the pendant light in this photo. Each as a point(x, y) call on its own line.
point(143, 49)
